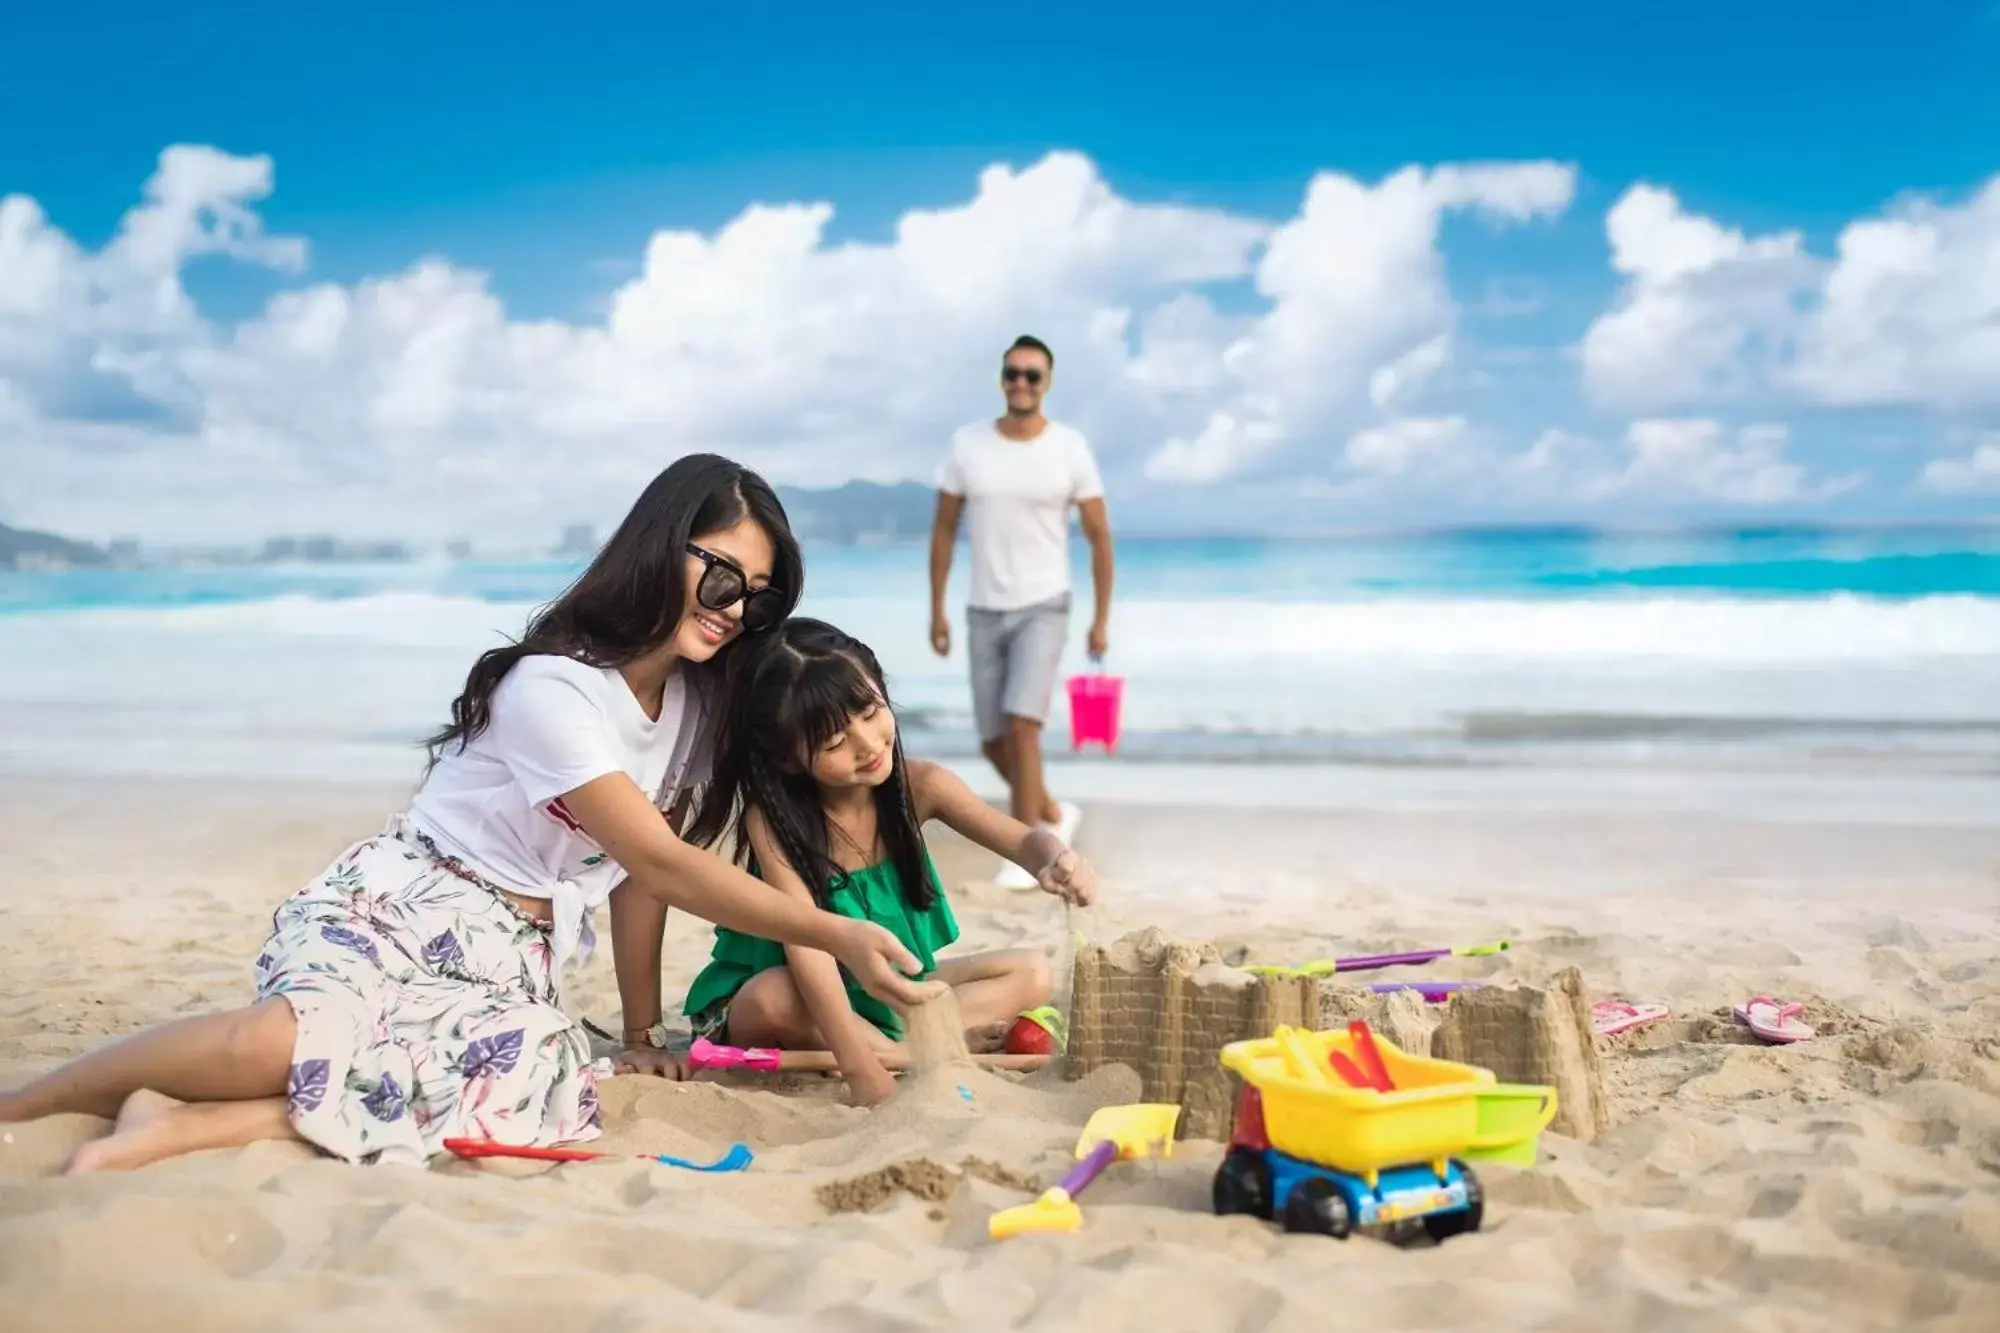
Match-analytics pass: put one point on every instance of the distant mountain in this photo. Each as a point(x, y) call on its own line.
point(21, 549)
point(860, 512)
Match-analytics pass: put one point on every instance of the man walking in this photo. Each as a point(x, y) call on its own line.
point(1015, 480)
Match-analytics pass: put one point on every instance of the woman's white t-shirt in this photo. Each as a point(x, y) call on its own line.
point(496, 803)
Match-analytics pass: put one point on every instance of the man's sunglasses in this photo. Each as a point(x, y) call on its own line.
point(1028, 373)
point(723, 585)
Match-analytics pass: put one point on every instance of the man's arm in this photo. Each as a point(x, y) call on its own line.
point(944, 536)
point(1097, 531)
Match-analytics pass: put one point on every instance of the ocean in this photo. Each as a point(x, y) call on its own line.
point(1692, 662)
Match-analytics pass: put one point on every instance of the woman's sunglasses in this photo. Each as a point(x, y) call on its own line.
point(723, 585)
point(1028, 373)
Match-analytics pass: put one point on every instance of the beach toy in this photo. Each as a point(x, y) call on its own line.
point(1431, 1113)
point(1037, 1032)
point(1322, 967)
point(1434, 992)
point(1112, 1133)
point(738, 1157)
point(1773, 1020)
point(1512, 1117)
point(1368, 1057)
point(1381, 1141)
point(1608, 1018)
point(705, 1054)
point(1094, 705)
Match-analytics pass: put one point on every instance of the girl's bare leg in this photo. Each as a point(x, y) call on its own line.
point(152, 1127)
point(770, 1011)
point(244, 1055)
point(994, 988)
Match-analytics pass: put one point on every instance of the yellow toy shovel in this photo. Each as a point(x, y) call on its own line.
point(1112, 1133)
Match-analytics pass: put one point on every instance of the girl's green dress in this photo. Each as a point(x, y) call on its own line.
point(872, 894)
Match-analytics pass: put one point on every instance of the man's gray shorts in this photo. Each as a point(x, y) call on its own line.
point(1015, 656)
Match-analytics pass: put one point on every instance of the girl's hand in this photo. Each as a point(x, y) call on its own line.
point(1070, 878)
point(879, 962)
point(871, 1086)
point(650, 1060)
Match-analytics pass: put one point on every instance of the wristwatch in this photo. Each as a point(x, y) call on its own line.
point(654, 1036)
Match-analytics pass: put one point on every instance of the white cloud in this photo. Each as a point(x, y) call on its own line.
point(1910, 315)
point(415, 398)
point(1700, 308)
point(1403, 377)
point(1360, 312)
point(413, 402)
point(1215, 451)
point(1907, 313)
point(1408, 445)
point(1976, 473)
point(1697, 458)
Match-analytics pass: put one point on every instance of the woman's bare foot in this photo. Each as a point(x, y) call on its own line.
point(141, 1135)
point(151, 1126)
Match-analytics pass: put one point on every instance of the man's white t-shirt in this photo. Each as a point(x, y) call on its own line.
point(1018, 495)
point(556, 724)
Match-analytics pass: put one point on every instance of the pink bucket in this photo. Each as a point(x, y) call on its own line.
point(1093, 711)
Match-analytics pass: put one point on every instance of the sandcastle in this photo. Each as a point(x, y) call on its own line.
point(1167, 1007)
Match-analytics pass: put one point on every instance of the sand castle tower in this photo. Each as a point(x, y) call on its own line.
point(1167, 1007)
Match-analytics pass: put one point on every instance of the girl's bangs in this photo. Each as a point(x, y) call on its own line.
point(828, 694)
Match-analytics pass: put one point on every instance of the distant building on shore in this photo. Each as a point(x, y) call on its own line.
point(23, 549)
point(577, 539)
point(320, 550)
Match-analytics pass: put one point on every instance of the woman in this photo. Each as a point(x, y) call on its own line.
point(410, 993)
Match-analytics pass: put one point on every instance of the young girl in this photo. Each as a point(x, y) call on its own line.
point(410, 992)
point(811, 779)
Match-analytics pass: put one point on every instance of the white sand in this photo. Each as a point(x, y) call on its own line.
point(1851, 1182)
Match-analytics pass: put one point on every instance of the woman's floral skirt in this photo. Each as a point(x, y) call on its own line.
point(427, 1009)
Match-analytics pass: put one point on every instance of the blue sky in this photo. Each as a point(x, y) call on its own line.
point(543, 147)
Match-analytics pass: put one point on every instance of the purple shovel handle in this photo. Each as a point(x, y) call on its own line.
point(1374, 961)
point(1434, 992)
point(1087, 1170)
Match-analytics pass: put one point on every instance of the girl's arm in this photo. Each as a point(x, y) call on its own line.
point(940, 794)
point(619, 818)
point(818, 978)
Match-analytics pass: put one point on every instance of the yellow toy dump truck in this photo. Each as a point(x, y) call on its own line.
point(1337, 1130)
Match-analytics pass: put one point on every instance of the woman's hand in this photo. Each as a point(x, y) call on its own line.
point(1070, 878)
point(879, 962)
point(650, 1060)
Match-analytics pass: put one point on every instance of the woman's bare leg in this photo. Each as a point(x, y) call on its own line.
point(241, 1056)
point(152, 1127)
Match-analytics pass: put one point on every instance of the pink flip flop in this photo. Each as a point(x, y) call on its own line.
point(1773, 1020)
point(1608, 1018)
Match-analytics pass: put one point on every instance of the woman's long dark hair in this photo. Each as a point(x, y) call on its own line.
point(629, 601)
point(790, 692)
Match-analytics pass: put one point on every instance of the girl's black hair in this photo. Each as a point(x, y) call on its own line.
point(791, 691)
point(629, 600)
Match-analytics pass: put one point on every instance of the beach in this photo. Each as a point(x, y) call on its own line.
point(1848, 1182)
